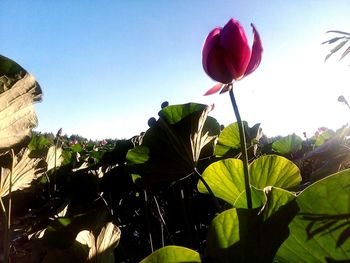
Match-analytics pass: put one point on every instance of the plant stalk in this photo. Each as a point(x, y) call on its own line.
point(148, 222)
point(243, 149)
point(218, 206)
point(4, 246)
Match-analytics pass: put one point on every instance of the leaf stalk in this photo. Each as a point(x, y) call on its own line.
point(243, 149)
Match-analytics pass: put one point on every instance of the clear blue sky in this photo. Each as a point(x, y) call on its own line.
point(106, 66)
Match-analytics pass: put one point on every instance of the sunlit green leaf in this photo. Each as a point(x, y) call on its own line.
point(276, 198)
point(226, 177)
point(289, 144)
point(320, 231)
point(77, 148)
point(39, 145)
point(175, 113)
point(274, 170)
point(251, 235)
point(258, 198)
point(323, 137)
point(173, 254)
point(229, 137)
point(139, 154)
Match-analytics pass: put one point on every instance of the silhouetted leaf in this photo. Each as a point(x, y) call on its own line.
point(346, 52)
point(339, 46)
point(339, 32)
point(172, 147)
point(331, 41)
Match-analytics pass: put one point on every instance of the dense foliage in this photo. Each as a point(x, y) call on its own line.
point(175, 193)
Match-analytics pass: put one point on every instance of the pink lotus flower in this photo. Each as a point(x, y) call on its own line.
point(73, 142)
point(227, 56)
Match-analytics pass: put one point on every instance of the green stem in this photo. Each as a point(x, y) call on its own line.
point(218, 206)
point(243, 149)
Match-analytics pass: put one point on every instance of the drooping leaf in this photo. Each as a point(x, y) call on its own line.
point(339, 46)
point(345, 53)
point(54, 157)
point(319, 233)
point(328, 56)
point(331, 41)
point(173, 145)
point(62, 232)
point(25, 170)
point(18, 92)
point(339, 32)
point(173, 254)
point(251, 235)
point(287, 145)
point(100, 249)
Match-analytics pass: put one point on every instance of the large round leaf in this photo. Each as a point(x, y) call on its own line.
point(226, 177)
point(229, 138)
point(258, 198)
point(321, 230)
point(251, 235)
point(274, 170)
point(173, 254)
point(289, 144)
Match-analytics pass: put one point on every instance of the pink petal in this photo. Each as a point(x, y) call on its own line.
point(257, 51)
point(209, 43)
point(214, 89)
point(215, 62)
point(236, 47)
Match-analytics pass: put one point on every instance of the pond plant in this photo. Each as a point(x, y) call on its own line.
point(185, 190)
